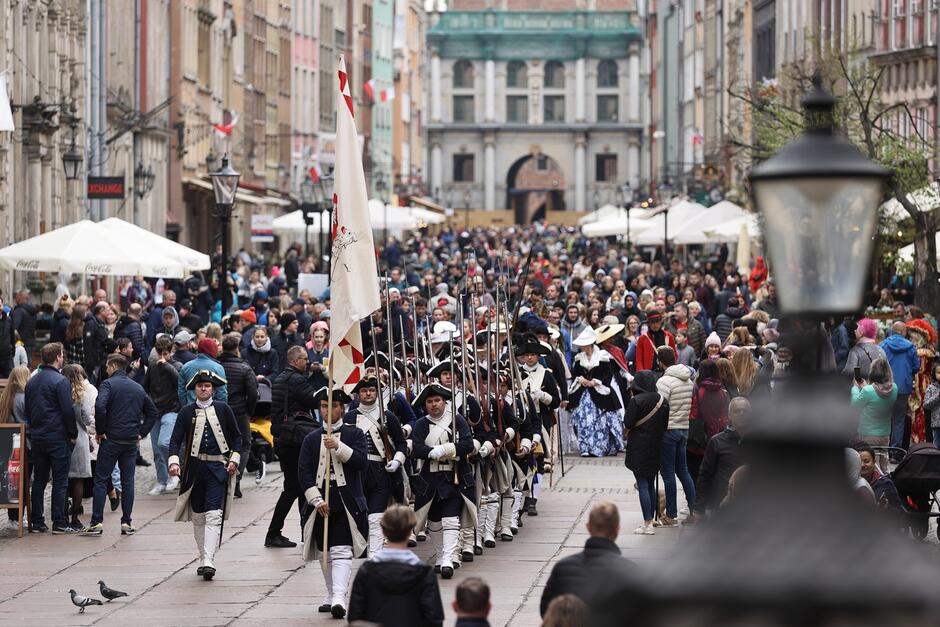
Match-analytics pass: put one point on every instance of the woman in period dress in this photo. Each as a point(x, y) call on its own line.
point(596, 410)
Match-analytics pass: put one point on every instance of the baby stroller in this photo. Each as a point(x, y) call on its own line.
point(262, 442)
point(917, 479)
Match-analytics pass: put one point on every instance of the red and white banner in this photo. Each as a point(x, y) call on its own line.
point(354, 286)
point(224, 130)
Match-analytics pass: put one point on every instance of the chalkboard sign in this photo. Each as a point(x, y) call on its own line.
point(13, 469)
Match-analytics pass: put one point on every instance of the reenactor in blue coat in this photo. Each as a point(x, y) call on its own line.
point(345, 510)
point(209, 431)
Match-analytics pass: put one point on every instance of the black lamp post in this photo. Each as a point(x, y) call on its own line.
point(143, 180)
point(307, 206)
point(626, 196)
point(797, 545)
point(224, 184)
point(326, 206)
point(72, 159)
point(466, 208)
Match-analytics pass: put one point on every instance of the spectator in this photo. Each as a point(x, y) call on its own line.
point(188, 319)
point(472, 603)
point(205, 360)
point(84, 395)
point(74, 336)
point(155, 323)
point(932, 405)
point(13, 410)
point(395, 587)
point(654, 337)
point(579, 574)
point(123, 415)
point(693, 329)
point(242, 396)
point(129, 326)
point(876, 400)
point(60, 319)
point(52, 433)
point(724, 322)
point(646, 419)
point(162, 383)
point(566, 610)
point(886, 493)
point(184, 344)
point(865, 350)
point(709, 413)
point(675, 386)
point(24, 316)
point(7, 342)
point(288, 336)
point(721, 458)
point(96, 335)
point(905, 363)
point(167, 324)
point(261, 356)
point(684, 353)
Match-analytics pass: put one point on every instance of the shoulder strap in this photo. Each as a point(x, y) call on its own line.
point(650, 415)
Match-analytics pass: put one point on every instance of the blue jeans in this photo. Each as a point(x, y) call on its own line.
point(936, 437)
point(674, 465)
point(124, 455)
point(900, 423)
point(46, 457)
point(160, 440)
point(647, 486)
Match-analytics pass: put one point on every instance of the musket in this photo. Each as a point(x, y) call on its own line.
point(522, 280)
point(391, 342)
point(383, 427)
point(414, 342)
point(453, 407)
point(494, 363)
point(404, 356)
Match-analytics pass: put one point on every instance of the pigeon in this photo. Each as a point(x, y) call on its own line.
point(108, 593)
point(82, 602)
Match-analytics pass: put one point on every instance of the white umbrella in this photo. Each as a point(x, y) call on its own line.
point(141, 239)
point(87, 248)
point(678, 215)
point(293, 223)
point(693, 230)
point(602, 213)
point(615, 226)
point(730, 230)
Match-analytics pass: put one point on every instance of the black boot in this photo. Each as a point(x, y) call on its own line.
point(530, 509)
point(238, 488)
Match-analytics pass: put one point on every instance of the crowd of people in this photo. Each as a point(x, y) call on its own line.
point(494, 352)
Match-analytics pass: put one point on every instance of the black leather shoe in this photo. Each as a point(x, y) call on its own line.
point(477, 549)
point(115, 500)
point(447, 572)
point(531, 509)
point(208, 573)
point(200, 570)
point(323, 609)
point(40, 528)
point(338, 611)
point(437, 569)
point(142, 462)
point(412, 543)
point(491, 544)
point(466, 556)
point(505, 537)
point(278, 542)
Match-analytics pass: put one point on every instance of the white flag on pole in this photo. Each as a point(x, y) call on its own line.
point(354, 288)
point(6, 115)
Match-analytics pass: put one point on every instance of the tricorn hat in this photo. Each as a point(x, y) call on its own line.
point(339, 395)
point(432, 389)
point(365, 382)
point(205, 376)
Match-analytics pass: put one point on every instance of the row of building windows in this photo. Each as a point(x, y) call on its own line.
point(605, 168)
point(553, 108)
point(517, 74)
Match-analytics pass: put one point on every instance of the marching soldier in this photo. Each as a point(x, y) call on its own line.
point(542, 388)
point(443, 486)
point(383, 481)
point(210, 433)
point(346, 513)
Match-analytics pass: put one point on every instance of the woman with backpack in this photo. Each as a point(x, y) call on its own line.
point(645, 421)
point(709, 414)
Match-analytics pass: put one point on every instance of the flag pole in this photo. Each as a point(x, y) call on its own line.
point(329, 459)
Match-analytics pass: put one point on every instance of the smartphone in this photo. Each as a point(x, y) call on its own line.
point(858, 374)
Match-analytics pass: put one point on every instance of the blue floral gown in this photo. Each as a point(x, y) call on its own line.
point(597, 416)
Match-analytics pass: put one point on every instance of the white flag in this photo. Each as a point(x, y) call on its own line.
point(354, 287)
point(6, 115)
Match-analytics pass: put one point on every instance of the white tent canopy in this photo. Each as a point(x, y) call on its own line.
point(142, 239)
point(397, 218)
point(925, 199)
point(907, 253)
point(730, 231)
point(694, 230)
point(679, 214)
point(603, 213)
point(616, 225)
point(85, 247)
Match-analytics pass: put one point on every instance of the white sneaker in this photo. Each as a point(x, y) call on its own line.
point(644, 530)
point(157, 489)
point(684, 511)
point(172, 484)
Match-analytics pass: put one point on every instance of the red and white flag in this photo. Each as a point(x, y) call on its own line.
point(354, 286)
point(224, 130)
point(369, 88)
point(387, 94)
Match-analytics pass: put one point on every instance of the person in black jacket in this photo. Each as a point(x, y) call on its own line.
point(60, 319)
point(7, 343)
point(129, 326)
point(394, 587)
point(293, 400)
point(647, 417)
point(24, 317)
point(161, 383)
point(261, 355)
point(95, 336)
point(721, 459)
point(123, 415)
point(52, 433)
point(242, 396)
point(599, 563)
point(286, 338)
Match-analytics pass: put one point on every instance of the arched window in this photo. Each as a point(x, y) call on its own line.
point(463, 74)
point(554, 74)
point(517, 74)
point(607, 73)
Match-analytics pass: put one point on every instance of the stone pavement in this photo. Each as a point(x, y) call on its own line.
point(256, 585)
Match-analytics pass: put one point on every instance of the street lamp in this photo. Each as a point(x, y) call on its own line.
point(307, 207)
point(72, 160)
point(143, 180)
point(665, 196)
point(819, 206)
point(626, 196)
point(326, 206)
point(224, 184)
point(466, 210)
point(797, 547)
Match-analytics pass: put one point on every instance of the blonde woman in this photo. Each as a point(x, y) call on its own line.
point(84, 396)
point(13, 398)
point(745, 371)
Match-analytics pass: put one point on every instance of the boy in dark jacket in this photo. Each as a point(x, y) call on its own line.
point(242, 395)
point(396, 587)
point(721, 459)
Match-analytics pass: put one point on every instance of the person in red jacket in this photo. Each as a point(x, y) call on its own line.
point(654, 337)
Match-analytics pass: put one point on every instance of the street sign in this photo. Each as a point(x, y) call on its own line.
point(262, 227)
point(106, 187)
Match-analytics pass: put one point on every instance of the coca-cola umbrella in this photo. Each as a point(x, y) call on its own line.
point(85, 247)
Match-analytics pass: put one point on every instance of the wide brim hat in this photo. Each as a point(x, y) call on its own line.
point(441, 367)
point(366, 382)
point(587, 337)
point(608, 331)
point(339, 395)
point(444, 326)
point(205, 376)
point(531, 345)
point(432, 389)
